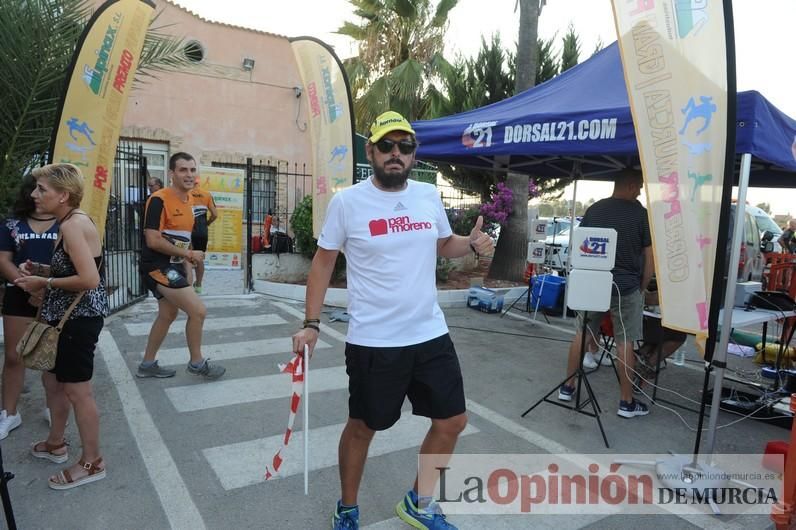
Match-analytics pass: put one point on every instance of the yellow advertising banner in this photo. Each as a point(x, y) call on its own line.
point(102, 72)
point(225, 235)
point(674, 59)
point(331, 122)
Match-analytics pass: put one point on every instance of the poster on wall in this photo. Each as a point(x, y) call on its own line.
point(93, 105)
point(675, 65)
point(225, 235)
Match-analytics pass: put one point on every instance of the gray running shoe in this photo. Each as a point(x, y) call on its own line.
point(207, 370)
point(154, 371)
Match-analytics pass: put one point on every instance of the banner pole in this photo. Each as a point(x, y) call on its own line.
point(720, 267)
point(306, 426)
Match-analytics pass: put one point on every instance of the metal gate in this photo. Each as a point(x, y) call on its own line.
point(124, 233)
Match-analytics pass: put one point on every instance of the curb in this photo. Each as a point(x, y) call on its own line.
point(336, 297)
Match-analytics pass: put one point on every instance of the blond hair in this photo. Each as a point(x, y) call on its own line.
point(63, 178)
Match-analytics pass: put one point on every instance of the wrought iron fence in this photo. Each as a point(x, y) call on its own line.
point(455, 199)
point(276, 191)
point(124, 233)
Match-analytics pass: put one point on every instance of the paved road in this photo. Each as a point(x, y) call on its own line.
point(184, 453)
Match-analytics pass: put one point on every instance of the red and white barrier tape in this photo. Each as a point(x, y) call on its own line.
point(297, 367)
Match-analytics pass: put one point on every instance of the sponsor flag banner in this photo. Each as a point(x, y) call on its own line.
point(225, 235)
point(93, 104)
point(674, 58)
point(331, 122)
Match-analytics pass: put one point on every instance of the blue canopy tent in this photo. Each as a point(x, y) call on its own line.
point(583, 116)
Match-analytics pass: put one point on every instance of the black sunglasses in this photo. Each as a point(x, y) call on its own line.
point(406, 147)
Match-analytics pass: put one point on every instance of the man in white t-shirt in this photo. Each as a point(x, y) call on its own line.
point(391, 230)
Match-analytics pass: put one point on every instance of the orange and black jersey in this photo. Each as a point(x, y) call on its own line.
point(202, 200)
point(173, 218)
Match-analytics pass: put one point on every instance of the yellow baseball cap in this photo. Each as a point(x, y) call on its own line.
point(388, 122)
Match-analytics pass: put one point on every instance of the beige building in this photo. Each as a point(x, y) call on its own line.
point(242, 97)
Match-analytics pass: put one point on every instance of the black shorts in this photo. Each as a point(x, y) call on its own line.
point(171, 276)
point(15, 303)
point(74, 362)
point(199, 241)
point(380, 378)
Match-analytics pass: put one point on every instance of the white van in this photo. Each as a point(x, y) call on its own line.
point(766, 224)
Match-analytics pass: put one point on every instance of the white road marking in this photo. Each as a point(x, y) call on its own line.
point(243, 464)
point(549, 445)
point(150, 305)
point(247, 390)
point(163, 473)
point(232, 350)
point(211, 324)
point(325, 330)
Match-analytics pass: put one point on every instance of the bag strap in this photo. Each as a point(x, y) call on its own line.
point(77, 299)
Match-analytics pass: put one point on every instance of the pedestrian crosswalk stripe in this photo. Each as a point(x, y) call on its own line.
point(233, 350)
point(163, 472)
point(249, 389)
point(211, 324)
point(243, 464)
point(150, 306)
point(326, 330)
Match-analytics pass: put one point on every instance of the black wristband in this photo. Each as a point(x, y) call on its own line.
point(312, 326)
point(311, 321)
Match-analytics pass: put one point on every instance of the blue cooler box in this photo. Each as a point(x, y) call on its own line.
point(485, 300)
point(547, 289)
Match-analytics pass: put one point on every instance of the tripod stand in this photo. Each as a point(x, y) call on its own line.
point(5, 477)
point(579, 406)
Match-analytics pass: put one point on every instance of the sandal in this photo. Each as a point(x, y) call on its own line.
point(47, 450)
point(64, 480)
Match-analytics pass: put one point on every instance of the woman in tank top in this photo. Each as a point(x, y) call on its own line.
point(75, 268)
point(26, 235)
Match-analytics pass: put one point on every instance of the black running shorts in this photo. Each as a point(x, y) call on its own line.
point(380, 378)
point(171, 276)
point(199, 242)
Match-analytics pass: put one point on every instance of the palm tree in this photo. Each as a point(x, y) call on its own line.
point(400, 57)
point(38, 39)
point(470, 84)
point(512, 246)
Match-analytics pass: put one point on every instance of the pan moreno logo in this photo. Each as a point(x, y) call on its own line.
point(94, 77)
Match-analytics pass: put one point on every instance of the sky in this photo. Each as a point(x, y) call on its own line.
point(764, 49)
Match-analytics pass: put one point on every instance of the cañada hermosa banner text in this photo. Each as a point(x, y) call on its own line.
point(674, 59)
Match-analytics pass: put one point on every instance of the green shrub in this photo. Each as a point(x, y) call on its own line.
point(306, 244)
point(301, 222)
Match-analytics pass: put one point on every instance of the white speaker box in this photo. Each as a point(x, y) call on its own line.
point(589, 290)
point(535, 252)
point(538, 230)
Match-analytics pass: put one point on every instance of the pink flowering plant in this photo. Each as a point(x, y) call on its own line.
point(499, 209)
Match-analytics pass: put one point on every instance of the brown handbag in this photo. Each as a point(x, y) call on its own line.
point(38, 347)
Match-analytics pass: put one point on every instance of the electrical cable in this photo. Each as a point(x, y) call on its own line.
point(688, 426)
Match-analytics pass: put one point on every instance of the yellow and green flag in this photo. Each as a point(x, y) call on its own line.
point(92, 107)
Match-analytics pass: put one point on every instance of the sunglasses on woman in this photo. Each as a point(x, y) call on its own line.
point(406, 147)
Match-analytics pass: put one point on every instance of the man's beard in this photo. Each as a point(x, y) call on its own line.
point(392, 180)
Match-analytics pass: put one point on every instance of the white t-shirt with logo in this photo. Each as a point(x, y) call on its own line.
point(390, 244)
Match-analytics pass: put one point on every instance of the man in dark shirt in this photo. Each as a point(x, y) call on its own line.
point(632, 271)
point(788, 238)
